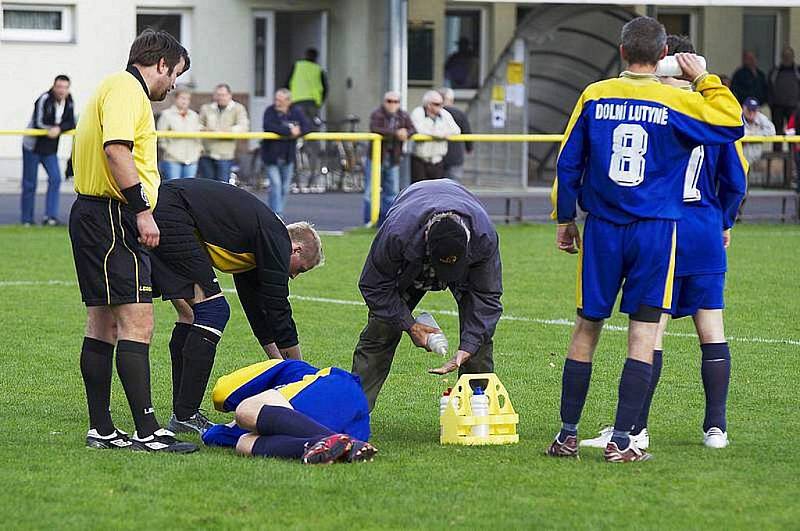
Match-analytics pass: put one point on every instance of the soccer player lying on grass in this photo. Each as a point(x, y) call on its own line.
point(206, 225)
point(624, 158)
point(291, 410)
point(716, 181)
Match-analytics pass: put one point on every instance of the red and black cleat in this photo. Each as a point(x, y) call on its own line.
point(567, 448)
point(630, 454)
point(361, 451)
point(328, 450)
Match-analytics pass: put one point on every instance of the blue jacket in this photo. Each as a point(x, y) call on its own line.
point(396, 257)
point(278, 122)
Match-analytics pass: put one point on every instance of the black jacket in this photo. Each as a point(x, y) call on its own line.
point(278, 122)
point(245, 238)
point(398, 251)
point(455, 150)
point(44, 117)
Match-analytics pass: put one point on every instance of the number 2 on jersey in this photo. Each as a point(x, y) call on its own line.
point(690, 191)
point(627, 157)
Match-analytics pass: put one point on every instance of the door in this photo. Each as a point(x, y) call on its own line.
point(263, 66)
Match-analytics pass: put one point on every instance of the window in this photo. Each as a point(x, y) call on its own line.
point(681, 22)
point(463, 48)
point(760, 35)
point(33, 22)
point(420, 53)
point(176, 22)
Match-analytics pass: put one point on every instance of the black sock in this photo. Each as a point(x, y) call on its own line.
point(97, 364)
point(716, 372)
point(277, 420)
point(284, 446)
point(198, 360)
point(658, 357)
point(633, 386)
point(133, 367)
point(176, 343)
point(574, 387)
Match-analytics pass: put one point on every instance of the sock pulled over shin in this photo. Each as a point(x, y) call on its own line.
point(658, 358)
point(278, 420)
point(97, 365)
point(133, 367)
point(574, 387)
point(716, 373)
point(633, 388)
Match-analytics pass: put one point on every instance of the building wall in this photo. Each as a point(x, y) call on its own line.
point(721, 45)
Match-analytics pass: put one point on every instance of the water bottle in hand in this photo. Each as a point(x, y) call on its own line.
point(436, 342)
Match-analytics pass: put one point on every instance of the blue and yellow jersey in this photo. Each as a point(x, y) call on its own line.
point(331, 396)
point(628, 142)
point(714, 185)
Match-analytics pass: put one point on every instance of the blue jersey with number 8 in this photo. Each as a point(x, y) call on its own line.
point(628, 143)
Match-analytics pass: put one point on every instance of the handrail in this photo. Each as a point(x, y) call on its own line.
point(375, 139)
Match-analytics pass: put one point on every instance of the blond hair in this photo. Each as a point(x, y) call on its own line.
point(304, 233)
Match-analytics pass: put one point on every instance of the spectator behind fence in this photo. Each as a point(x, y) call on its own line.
point(309, 87)
point(427, 161)
point(748, 80)
point(396, 127)
point(180, 155)
point(755, 124)
point(784, 91)
point(461, 70)
point(288, 120)
point(791, 130)
point(55, 112)
point(223, 115)
point(454, 160)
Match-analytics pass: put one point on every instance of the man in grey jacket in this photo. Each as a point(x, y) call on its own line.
point(436, 236)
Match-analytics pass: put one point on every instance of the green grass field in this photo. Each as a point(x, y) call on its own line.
point(49, 480)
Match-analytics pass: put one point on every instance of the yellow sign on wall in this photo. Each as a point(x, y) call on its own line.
point(514, 73)
point(498, 93)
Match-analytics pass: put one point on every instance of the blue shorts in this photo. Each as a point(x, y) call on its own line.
point(642, 254)
point(697, 292)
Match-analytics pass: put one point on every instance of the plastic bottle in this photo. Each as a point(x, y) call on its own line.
point(436, 342)
point(444, 401)
point(669, 67)
point(480, 408)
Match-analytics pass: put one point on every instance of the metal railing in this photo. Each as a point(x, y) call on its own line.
point(375, 141)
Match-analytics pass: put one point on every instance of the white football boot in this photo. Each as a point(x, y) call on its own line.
point(715, 438)
point(642, 441)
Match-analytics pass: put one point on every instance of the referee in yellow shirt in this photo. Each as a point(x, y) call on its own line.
point(111, 227)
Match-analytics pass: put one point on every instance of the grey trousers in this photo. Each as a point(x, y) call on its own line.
point(372, 359)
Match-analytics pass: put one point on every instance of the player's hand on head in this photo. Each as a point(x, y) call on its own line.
point(149, 234)
point(453, 363)
point(690, 65)
point(568, 237)
point(419, 334)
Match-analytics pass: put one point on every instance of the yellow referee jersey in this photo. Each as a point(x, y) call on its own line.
point(118, 112)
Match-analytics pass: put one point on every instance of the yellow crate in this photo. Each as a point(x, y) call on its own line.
point(456, 422)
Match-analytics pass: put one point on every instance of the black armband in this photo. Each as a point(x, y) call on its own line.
point(136, 198)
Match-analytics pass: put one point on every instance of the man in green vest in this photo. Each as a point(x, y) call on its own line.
point(308, 86)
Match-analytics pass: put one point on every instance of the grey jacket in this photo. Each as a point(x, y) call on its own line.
point(395, 260)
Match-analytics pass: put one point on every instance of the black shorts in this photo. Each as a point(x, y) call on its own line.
point(112, 266)
point(180, 261)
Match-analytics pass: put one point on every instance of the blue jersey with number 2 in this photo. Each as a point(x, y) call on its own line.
point(714, 185)
point(628, 143)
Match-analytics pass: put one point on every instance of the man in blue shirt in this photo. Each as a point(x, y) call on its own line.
point(714, 185)
point(623, 158)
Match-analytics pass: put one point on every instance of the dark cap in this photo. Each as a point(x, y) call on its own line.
point(447, 241)
point(751, 103)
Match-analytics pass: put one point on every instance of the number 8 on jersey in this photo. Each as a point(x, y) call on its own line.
point(627, 158)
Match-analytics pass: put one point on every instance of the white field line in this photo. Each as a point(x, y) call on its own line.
point(505, 317)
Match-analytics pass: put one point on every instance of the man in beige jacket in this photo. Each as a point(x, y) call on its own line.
point(179, 155)
point(226, 115)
